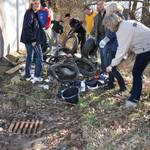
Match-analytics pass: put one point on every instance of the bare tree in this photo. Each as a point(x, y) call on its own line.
point(146, 13)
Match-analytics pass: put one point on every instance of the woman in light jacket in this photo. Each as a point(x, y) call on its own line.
point(135, 36)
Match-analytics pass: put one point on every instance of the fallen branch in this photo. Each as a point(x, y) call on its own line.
point(16, 68)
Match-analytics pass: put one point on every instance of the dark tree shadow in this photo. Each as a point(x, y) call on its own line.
point(1, 44)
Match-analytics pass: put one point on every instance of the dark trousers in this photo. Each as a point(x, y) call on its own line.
point(82, 39)
point(141, 62)
point(115, 74)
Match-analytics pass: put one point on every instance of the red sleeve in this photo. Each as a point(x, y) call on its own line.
point(48, 21)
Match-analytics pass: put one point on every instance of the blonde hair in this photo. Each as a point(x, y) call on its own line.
point(32, 2)
point(112, 22)
point(114, 8)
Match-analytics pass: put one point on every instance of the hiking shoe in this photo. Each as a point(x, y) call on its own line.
point(92, 87)
point(28, 79)
point(37, 79)
point(130, 104)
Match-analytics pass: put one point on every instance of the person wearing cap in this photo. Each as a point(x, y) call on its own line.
point(89, 19)
point(77, 27)
point(135, 36)
point(32, 37)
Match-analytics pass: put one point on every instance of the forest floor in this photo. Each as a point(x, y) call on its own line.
point(98, 122)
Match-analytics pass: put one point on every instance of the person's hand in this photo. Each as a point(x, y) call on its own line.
point(109, 69)
point(33, 44)
point(44, 28)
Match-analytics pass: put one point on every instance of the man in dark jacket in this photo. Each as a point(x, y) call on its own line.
point(78, 28)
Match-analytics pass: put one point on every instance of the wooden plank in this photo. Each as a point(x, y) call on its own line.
point(21, 127)
point(31, 126)
point(26, 127)
point(16, 68)
point(36, 126)
point(16, 127)
point(11, 127)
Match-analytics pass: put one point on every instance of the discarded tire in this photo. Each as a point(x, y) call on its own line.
point(64, 72)
point(89, 48)
point(86, 68)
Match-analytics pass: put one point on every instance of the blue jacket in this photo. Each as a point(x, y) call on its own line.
point(44, 17)
point(31, 31)
point(112, 44)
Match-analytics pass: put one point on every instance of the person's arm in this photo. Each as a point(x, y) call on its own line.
point(94, 28)
point(28, 19)
point(48, 20)
point(111, 35)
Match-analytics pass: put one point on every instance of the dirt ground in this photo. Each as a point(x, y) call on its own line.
point(98, 122)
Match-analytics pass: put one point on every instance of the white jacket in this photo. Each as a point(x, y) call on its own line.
point(131, 35)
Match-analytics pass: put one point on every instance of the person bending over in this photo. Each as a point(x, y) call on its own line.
point(132, 35)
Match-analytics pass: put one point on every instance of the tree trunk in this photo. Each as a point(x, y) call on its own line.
point(132, 12)
point(145, 19)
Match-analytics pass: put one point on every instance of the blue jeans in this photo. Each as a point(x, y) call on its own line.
point(141, 62)
point(105, 57)
point(38, 63)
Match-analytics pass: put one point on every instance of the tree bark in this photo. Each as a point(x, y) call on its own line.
point(145, 19)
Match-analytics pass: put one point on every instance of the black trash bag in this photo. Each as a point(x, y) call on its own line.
point(71, 95)
point(91, 83)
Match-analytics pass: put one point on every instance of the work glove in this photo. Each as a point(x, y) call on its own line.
point(103, 42)
point(109, 69)
point(33, 44)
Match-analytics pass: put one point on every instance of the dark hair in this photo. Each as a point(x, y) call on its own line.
point(67, 15)
point(43, 3)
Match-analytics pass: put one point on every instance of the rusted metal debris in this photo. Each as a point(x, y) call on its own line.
point(25, 127)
